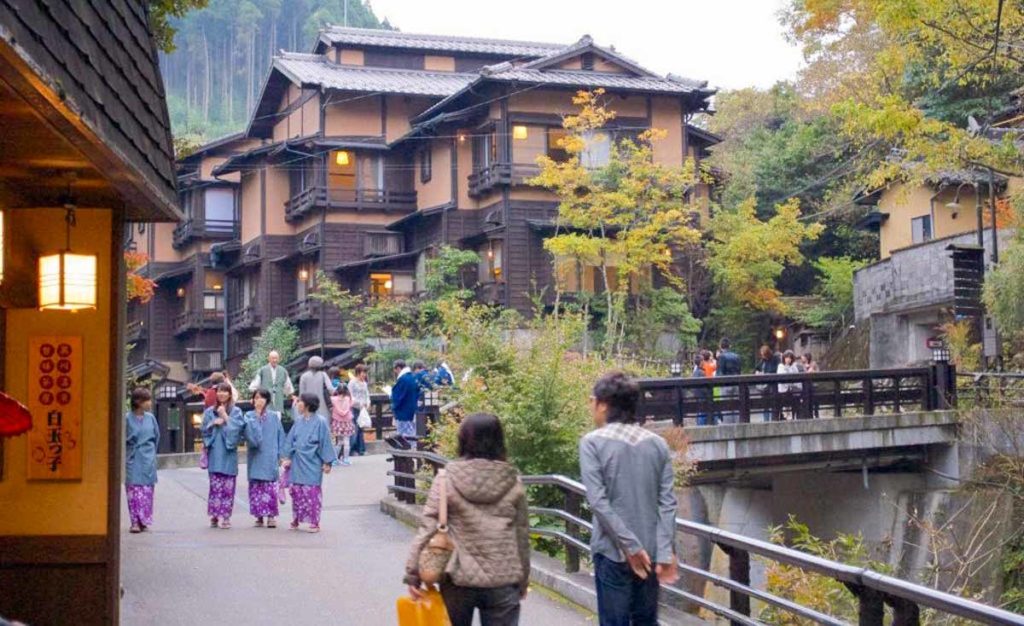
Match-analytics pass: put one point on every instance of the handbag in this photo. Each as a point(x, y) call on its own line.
point(435, 555)
point(427, 611)
point(364, 421)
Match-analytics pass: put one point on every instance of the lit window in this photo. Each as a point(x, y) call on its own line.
point(520, 132)
point(381, 285)
point(555, 151)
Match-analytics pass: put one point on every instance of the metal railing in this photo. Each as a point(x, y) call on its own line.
point(774, 397)
point(873, 590)
point(990, 389)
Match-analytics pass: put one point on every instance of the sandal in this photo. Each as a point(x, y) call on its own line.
point(135, 529)
point(225, 524)
point(259, 522)
point(213, 522)
point(295, 525)
point(271, 522)
point(313, 529)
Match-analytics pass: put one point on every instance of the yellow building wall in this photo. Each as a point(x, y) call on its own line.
point(358, 116)
point(62, 508)
point(903, 203)
point(352, 57)
point(163, 240)
point(438, 63)
point(667, 115)
point(439, 189)
point(251, 205)
point(278, 193)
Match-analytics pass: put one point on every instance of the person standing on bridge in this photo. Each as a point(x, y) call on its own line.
point(142, 440)
point(222, 429)
point(309, 454)
point(628, 473)
point(264, 437)
point(359, 387)
point(728, 365)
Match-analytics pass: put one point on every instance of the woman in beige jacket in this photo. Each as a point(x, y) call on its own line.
point(488, 522)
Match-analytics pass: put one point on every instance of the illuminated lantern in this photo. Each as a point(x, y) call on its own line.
point(342, 157)
point(67, 281)
point(304, 274)
point(519, 132)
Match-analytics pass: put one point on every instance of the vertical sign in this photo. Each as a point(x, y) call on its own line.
point(55, 400)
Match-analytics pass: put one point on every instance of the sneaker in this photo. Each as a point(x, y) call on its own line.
point(271, 522)
point(346, 462)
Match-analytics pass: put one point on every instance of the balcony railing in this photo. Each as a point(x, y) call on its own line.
point(382, 244)
point(361, 199)
point(244, 318)
point(204, 229)
point(197, 320)
point(135, 331)
point(485, 179)
point(305, 309)
point(491, 293)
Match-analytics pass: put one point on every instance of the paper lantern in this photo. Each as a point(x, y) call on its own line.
point(342, 157)
point(67, 281)
point(15, 418)
point(519, 132)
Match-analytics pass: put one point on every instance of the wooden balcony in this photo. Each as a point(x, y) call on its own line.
point(382, 244)
point(190, 321)
point(303, 310)
point(484, 179)
point(204, 230)
point(491, 293)
point(135, 331)
point(247, 318)
point(320, 197)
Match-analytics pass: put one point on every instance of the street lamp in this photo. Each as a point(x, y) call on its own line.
point(955, 205)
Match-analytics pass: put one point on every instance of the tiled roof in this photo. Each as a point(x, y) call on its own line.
point(438, 43)
point(315, 70)
point(583, 78)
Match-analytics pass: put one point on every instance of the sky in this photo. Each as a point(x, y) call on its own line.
point(730, 43)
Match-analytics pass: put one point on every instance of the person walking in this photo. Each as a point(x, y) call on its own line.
point(142, 441)
point(767, 363)
point(359, 388)
point(308, 455)
point(700, 394)
point(630, 481)
point(342, 424)
point(728, 364)
point(274, 378)
point(316, 382)
point(264, 437)
point(489, 524)
point(790, 392)
point(405, 396)
point(222, 429)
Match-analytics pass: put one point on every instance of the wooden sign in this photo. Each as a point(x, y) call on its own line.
point(55, 399)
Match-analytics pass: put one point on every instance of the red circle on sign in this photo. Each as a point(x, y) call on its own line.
point(63, 366)
point(63, 350)
point(63, 397)
point(46, 366)
point(46, 382)
point(64, 382)
point(46, 398)
point(46, 350)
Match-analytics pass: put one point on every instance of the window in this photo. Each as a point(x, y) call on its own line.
point(597, 152)
point(220, 208)
point(485, 150)
point(305, 279)
point(213, 291)
point(248, 286)
point(921, 229)
point(302, 175)
point(386, 285)
point(425, 165)
point(341, 170)
point(555, 151)
point(491, 262)
point(372, 174)
point(528, 143)
point(206, 361)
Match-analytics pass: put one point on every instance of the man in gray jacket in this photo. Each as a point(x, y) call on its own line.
point(628, 473)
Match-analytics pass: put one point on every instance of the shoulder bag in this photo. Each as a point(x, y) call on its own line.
point(434, 556)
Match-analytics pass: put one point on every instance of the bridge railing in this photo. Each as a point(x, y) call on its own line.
point(873, 590)
point(991, 389)
point(772, 397)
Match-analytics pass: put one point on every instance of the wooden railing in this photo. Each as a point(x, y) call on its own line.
point(491, 293)
point(873, 590)
point(305, 309)
point(246, 317)
point(361, 199)
point(134, 331)
point(738, 399)
point(197, 320)
point(382, 244)
point(204, 229)
point(485, 178)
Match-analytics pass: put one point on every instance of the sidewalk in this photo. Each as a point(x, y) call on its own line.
point(183, 572)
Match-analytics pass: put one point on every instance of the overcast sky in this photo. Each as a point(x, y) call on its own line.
point(731, 43)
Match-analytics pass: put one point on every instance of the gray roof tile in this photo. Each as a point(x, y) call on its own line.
point(439, 43)
point(582, 78)
point(315, 70)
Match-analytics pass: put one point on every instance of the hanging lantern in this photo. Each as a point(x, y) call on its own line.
point(67, 281)
point(304, 275)
point(520, 132)
point(342, 157)
point(15, 418)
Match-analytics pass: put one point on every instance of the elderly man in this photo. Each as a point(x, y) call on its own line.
point(275, 379)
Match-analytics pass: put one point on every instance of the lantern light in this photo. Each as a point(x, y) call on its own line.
point(462, 137)
point(490, 253)
point(388, 284)
point(303, 274)
point(780, 333)
point(519, 132)
point(342, 157)
point(67, 281)
point(181, 292)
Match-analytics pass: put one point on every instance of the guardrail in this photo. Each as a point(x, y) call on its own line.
point(772, 397)
point(873, 590)
point(991, 389)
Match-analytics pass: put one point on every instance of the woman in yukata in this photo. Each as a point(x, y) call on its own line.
point(309, 454)
point(142, 439)
point(264, 437)
point(222, 428)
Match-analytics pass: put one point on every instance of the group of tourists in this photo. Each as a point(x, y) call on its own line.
point(629, 477)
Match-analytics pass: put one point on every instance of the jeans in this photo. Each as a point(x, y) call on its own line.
point(702, 419)
point(499, 606)
point(358, 444)
point(623, 599)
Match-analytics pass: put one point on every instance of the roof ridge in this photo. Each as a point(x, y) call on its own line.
point(370, 68)
point(380, 32)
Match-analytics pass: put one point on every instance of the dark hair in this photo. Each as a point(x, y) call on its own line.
point(620, 393)
point(399, 364)
point(482, 437)
point(264, 393)
point(140, 395)
point(807, 355)
point(333, 371)
point(311, 401)
point(788, 354)
point(724, 343)
point(706, 354)
point(342, 390)
point(698, 360)
point(419, 365)
point(226, 387)
point(766, 352)
point(217, 377)
point(360, 369)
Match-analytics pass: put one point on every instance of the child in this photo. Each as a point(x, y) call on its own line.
point(342, 425)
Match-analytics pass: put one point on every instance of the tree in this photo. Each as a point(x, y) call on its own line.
point(279, 335)
point(835, 286)
point(160, 14)
point(139, 287)
point(624, 217)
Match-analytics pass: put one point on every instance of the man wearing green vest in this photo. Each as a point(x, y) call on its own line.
point(275, 379)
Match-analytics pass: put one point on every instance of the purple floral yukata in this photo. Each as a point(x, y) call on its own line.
point(140, 504)
point(307, 501)
point(222, 496)
point(263, 498)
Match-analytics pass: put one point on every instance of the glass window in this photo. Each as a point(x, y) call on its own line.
point(220, 207)
point(305, 279)
point(485, 150)
point(404, 285)
point(381, 285)
point(555, 151)
point(372, 174)
point(528, 143)
point(213, 281)
point(206, 361)
point(491, 262)
point(425, 165)
point(341, 170)
point(597, 152)
point(921, 228)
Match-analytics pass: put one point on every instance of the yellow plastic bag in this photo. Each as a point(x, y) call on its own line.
point(428, 611)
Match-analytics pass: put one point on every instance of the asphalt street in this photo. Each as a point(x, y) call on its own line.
point(184, 572)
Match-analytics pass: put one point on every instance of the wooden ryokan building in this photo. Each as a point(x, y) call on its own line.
point(360, 159)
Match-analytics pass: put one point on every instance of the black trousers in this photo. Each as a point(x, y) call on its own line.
point(499, 606)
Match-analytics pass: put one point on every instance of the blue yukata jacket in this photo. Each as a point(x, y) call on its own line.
point(309, 447)
point(222, 441)
point(142, 439)
point(265, 444)
point(405, 397)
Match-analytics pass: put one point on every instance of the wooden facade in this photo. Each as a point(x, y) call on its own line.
point(366, 155)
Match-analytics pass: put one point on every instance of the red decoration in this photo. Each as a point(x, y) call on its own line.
point(15, 418)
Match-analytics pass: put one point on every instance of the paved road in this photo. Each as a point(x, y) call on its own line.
point(183, 572)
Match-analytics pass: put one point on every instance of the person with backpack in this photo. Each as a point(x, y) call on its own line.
point(729, 364)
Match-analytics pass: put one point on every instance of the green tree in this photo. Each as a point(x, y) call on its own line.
point(835, 286)
point(278, 335)
point(160, 14)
